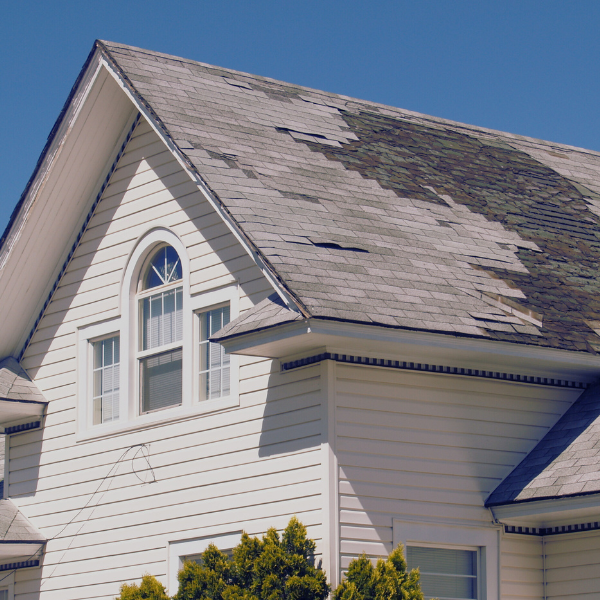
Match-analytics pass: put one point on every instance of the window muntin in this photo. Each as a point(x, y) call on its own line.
point(160, 344)
point(215, 364)
point(162, 319)
point(446, 573)
point(106, 380)
point(164, 268)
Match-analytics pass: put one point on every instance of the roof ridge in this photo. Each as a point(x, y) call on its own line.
point(401, 112)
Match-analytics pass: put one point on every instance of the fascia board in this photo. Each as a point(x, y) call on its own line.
point(549, 510)
point(50, 155)
point(268, 271)
point(28, 225)
point(371, 340)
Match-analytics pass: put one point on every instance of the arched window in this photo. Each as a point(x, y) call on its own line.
point(160, 318)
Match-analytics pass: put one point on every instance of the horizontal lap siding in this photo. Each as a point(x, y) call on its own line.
point(572, 566)
point(522, 568)
point(250, 467)
point(430, 448)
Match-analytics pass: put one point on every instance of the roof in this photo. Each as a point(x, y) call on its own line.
point(564, 463)
point(14, 527)
point(371, 214)
point(268, 313)
point(15, 384)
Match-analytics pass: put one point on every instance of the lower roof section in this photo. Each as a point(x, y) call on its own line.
point(21, 403)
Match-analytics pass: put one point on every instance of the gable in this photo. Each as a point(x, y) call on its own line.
point(147, 190)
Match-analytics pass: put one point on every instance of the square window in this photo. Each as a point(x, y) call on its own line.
point(106, 380)
point(457, 562)
point(449, 573)
point(215, 364)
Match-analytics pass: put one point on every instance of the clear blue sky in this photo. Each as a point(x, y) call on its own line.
point(526, 66)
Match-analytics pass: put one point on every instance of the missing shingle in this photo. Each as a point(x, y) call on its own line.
point(296, 132)
point(338, 246)
point(249, 173)
point(236, 83)
point(229, 159)
point(296, 196)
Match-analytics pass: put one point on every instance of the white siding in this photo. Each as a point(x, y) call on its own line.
point(522, 567)
point(429, 448)
point(249, 468)
point(572, 566)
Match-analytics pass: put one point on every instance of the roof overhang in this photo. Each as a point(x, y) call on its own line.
point(550, 512)
point(20, 550)
point(16, 414)
point(54, 206)
point(302, 338)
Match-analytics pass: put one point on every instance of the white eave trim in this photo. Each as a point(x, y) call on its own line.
point(282, 338)
point(540, 508)
point(267, 271)
point(16, 412)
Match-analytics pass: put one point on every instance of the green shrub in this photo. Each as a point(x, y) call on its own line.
point(387, 580)
point(149, 589)
point(274, 568)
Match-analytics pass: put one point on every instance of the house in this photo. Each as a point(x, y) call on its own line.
point(228, 300)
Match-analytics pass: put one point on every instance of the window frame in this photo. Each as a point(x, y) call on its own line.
point(202, 303)
point(127, 326)
point(87, 335)
point(486, 540)
point(480, 562)
point(177, 550)
point(141, 294)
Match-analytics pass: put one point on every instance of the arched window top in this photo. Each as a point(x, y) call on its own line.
point(164, 268)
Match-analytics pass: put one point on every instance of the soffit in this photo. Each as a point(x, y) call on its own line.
point(57, 200)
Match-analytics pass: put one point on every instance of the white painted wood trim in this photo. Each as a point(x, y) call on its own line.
point(176, 550)
point(456, 536)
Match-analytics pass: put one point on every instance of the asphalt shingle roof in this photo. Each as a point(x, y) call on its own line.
point(564, 463)
point(372, 214)
point(14, 527)
point(15, 384)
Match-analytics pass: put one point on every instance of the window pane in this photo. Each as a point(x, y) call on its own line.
point(160, 378)
point(165, 267)
point(106, 380)
point(3, 594)
point(445, 573)
point(162, 319)
point(215, 378)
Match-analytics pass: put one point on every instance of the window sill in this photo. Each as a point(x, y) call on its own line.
point(157, 419)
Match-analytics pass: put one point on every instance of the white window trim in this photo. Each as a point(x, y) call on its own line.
point(188, 547)
point(130, 416)
point(86, 336)
point(437, 535)
point(201, 303)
